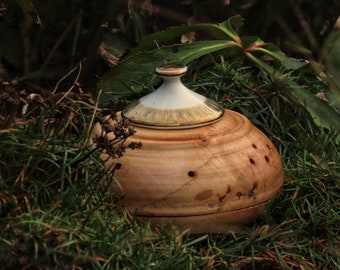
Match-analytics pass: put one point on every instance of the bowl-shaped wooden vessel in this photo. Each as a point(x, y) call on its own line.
point(214, 178)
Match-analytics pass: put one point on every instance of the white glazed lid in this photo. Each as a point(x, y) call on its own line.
point(172, 105)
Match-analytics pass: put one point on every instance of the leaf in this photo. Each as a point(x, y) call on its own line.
point(276, 54)
point(332, 92)
point(137, 72)
point(323, 114)
point(158, 39)
point(228, 27)
point(331, 54)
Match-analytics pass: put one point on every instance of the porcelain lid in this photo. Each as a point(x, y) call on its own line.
point(173, 105)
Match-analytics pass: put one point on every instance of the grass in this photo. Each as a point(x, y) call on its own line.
point(56, 211)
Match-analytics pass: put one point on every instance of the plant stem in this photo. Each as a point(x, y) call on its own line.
point(267, 52)
point(269, 70)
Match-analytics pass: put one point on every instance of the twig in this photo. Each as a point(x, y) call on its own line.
point(93, 116)
point(71, 88)
point(63, 78)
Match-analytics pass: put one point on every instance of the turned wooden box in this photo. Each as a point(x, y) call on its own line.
point(213, 175)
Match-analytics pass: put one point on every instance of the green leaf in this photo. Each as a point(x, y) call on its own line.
point(332, 91)
point(137, 72)
point(323, 114)
point(158, 39)
point(228, 28)
point(276, 54)
point(331, 54)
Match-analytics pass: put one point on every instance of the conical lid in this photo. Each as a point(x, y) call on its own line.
point(172, 105)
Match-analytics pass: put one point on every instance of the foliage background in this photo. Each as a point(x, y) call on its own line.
point(48, 38)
